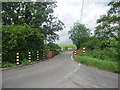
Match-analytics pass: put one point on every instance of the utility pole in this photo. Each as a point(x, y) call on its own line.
point(81, 12)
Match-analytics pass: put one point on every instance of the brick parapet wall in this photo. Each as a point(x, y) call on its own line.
point(51, 54)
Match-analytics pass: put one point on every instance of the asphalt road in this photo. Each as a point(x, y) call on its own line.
point(58, 72)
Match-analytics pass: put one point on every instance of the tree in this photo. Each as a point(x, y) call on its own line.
point(109, 24)
point(35, 14)
point(52, 47)
point(79, 34)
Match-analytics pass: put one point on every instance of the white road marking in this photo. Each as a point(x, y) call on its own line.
point(74, 60)
point(79, 64)
point(72, 57)
point(71, 73)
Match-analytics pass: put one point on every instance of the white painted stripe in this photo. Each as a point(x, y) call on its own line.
point(79, 64)
point(72, 57)
point(74, 60)
point(70, 73)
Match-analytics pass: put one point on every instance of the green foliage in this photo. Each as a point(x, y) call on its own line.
point(104, 45)
point(26, 25)
point(26, 62)
point(23, 62)
point(79, 34)
point(91, 43)
point(66, 46)
point(109, 24)
point(104, 65)
point(52, 47)
point(17, 38)
point(102, 59)
point(35, 14)
point(108, 54)
point(100, 43)
point(7, 64)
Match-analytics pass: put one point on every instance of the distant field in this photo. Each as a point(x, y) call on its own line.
point(69, 45)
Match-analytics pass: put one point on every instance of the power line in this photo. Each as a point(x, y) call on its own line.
point(81, 11)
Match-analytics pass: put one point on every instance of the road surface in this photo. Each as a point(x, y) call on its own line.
point(58, 72)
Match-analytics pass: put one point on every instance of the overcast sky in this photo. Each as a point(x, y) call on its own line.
point(69, 11)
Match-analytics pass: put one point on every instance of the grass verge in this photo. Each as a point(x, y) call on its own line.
point(107, 65)
point(7, 64)
point(24, 62)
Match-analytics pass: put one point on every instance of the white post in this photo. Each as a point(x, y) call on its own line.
point(43, 54)
point(17, 59)
point(29, 55)
point(37, 55)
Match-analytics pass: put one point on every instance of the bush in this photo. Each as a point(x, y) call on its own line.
point(20, 39)
point(106, 54)
point(52, 47)
point(7, 64)
point(100, 43)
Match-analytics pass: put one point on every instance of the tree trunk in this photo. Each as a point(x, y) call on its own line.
point(78, 46)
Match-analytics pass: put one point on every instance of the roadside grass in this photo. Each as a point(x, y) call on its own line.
point(7, 64)
point(24, 62)
point(99, 60)
point(109, 55)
